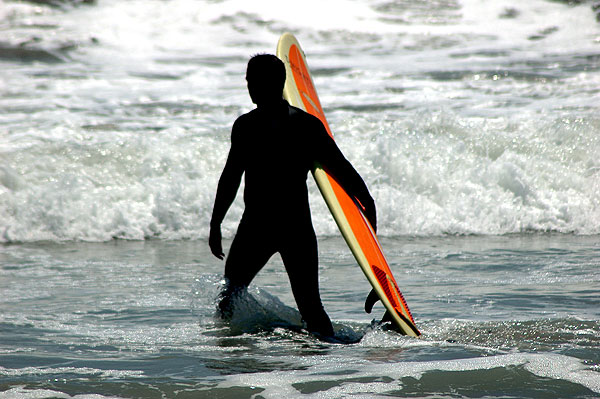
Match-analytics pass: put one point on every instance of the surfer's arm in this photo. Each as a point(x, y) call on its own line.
point(344, 173)
point(229, 182)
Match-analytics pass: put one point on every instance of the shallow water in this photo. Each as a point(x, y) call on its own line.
point(500, 316)
point(474, 123)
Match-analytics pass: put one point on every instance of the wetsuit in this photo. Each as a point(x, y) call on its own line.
point(275, 147)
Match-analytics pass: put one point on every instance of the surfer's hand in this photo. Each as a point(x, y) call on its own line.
point(214, 242)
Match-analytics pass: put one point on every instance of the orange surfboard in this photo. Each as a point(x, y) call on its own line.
point(300, 92)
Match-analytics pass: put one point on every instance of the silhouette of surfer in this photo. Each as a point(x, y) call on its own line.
point(274, 146)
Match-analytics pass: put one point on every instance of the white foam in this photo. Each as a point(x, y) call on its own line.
point(464, 182)
point(69, 370)
point(558, 367)
point(24, 393)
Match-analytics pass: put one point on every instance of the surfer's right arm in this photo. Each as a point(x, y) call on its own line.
point(229, 182)
point(336, 164)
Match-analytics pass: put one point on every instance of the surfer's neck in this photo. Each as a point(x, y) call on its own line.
point(272, 104)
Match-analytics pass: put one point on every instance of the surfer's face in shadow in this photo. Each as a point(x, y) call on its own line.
point(265, 76)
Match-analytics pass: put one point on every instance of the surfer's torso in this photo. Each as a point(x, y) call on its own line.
point(276, 148)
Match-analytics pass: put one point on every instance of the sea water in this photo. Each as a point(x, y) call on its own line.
point(474, 123)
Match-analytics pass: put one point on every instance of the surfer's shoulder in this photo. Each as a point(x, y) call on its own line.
point(303, 116)
point(296, 112)
point(244, 121)
point(245, 118)
point(241, 125)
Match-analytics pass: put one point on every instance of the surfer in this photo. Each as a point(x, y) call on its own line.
point(274, 146)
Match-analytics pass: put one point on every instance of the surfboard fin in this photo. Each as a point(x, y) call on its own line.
point(387, 318)
point(371, 300)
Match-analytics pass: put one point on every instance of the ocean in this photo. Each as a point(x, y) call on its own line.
point(474, 123)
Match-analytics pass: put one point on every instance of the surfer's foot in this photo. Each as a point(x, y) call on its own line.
point(341, 338)
point(321, 327)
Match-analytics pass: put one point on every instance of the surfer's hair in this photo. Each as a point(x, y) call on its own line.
point(268, 71)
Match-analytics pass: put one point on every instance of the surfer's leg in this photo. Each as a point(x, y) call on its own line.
point(300, 257)
point(249, 252)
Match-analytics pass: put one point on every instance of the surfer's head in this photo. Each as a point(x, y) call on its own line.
point(266, 76)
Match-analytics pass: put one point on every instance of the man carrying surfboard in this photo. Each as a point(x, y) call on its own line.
point(275, 146)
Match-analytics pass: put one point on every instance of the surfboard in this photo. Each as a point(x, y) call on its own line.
point(300, 92)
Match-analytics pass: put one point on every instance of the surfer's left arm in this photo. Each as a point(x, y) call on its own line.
point(229, 182)
point(336, 164)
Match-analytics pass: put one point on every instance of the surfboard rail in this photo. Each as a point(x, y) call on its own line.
point(300, 91)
